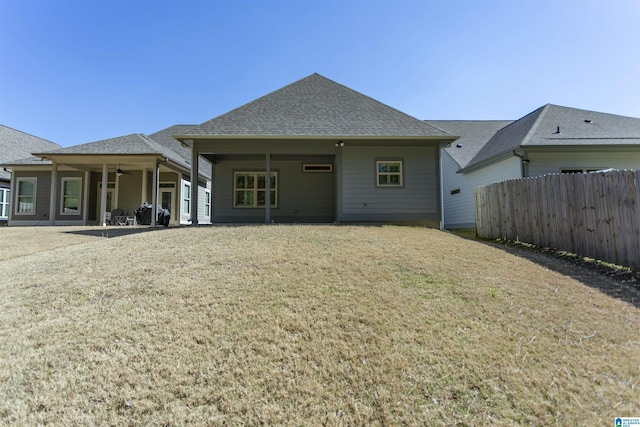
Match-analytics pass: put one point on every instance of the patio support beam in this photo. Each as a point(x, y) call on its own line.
point(52, 195)
point(103, 195)
point(154, 196)
point(195, 154)
point(144, 186)
point(267, 189)
point(85, 198)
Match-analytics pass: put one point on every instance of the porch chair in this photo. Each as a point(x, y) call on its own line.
point(118, 217)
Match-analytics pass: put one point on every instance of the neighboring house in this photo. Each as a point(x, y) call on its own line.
point(67, 186)
point(16, 145)
point(331, 154)
point(551, 139)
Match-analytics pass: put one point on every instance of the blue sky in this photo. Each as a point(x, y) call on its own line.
point(76, 71)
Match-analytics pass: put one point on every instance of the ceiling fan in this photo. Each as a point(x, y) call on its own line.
point(119, 171)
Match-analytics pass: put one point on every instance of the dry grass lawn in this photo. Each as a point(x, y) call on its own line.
point(307, 325)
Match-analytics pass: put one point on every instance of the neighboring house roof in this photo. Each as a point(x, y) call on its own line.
point(315, 107)
point(166, 139)
point(474, 134)
point(134, 144)
point(556, 126)
point(18, 146)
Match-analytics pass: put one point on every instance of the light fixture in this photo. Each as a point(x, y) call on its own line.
point(340, 144)
point(525, 161)
point(119, 171)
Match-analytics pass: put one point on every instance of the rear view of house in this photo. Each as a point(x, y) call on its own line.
point(317, 151)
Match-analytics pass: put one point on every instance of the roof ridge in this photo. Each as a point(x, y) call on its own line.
point(535, 124)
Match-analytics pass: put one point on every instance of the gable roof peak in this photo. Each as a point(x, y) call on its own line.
point(315, 106)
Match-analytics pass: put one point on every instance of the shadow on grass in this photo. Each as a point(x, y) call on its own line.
point(615, 281)
point(113, 231)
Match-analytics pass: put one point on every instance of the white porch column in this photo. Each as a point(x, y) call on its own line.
point(195, 154)
point(154, 196)
point(85, 204)
point(103, 195)
point(144, 187)
point(52, 194)
point(267, 189)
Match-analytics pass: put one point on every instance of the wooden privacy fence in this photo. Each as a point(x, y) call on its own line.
point(590, 214)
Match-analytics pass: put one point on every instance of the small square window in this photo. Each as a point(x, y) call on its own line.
point(389, 173)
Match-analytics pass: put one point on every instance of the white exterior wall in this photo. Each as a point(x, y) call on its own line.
point(459, 209)
point(185, 217)
point(204, 218)
point(555, 162)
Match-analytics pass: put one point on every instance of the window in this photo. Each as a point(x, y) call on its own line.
point(580, 170)
point(71, 195)
point(26, 196)
point(310, 167)
point(207, 203)
point(389, 173)
point(4, 203)
point(249, 189)
point(186, 198)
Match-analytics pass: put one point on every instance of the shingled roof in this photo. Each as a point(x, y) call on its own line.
point(165, 138)
point(315, 107)
point(474, 134)
point(18, 146)
point(554, 125)
point(134, 144)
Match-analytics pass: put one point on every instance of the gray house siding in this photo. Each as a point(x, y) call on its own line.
point(301, 197)
point(58, 200)
point(129, 186)
point(416, 201)
point(43, 187)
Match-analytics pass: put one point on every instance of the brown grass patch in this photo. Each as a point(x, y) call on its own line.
point(308, 325)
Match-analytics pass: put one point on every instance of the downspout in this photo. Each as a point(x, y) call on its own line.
point(441, 147)
point(523, 162)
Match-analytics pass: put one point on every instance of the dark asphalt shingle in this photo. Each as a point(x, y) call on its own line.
point(316, 106)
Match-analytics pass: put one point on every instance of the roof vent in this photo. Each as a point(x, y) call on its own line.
point(588, 121)
point(459, 145)
point(557, 130)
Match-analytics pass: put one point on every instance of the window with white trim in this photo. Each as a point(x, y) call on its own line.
point(389, 173)
point(186, 198)
point(250, 188)
point(71, 190)
point(4, 203)
point(207, 203)
point(26, 197)
point(577, 170)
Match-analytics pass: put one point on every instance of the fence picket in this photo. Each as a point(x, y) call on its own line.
point(594, 215)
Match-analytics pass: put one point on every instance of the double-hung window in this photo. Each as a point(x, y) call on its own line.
point(26, 197)
point(71, 196)
point(186, 198)
point(4, 203)
point(389, 173)
point(250, 190)
point(207, 203)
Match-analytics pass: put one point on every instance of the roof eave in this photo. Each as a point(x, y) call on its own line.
point(483, 163)
point(451, 138)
